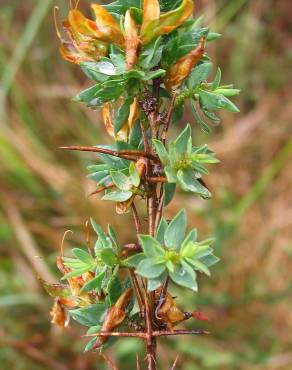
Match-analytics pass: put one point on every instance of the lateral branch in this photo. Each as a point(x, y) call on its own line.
point(154, 334)
point(126, 154)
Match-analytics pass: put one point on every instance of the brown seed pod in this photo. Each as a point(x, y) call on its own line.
point(169, 314)
point(132, 40)
point(182, 68)
point(59, 314)
point(115, 316)
point(141, 166)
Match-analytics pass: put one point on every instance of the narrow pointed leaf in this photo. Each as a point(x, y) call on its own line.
point(151, 246)
point(175, 232)
point(148, 269)
point(184, 275)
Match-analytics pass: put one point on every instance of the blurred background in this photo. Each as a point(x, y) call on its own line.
point(43, 193)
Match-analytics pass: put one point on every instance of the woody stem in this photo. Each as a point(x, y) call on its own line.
point(152, 209)
point(132, 155)
point(135, 282)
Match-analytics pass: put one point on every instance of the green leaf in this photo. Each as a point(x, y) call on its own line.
point(134, 261)
point(200, 251)
point(174, 157)
point(117, 196)
point(137, 15)
point(135, 74)
point(178, 113)
point(189, 182)
point(175, 232)
point(118, 58)
point(122, 115)
point(199, 74)
point(170, 266)
point(89, 346)
point(94, 329)
point(121, 6)
point(154, 74)
point(185, 276)
point(92, 71)
point(113, 163)
point(188, 249)
point(217, 79)
point(148, 269)
point(113, 237)
point(210, 260)
point(110, 90)
point(135, 135)
point(211, 115)
point(56, 290)
point(180, 45)
point(95, 283)
point(78, 272)
point(82, 255)
point(161, 230)
point(207, 157)
point(161, 151)
point(90, 315)
point(105, 240)
point(214, 101)
point(170, 174)
point(205, 242)
point(102, 178)
point(122, 181)
point(114, 291)
point(108, 257)
point(198, 265)
point(151, 246)
point(169, 192)
point(167, 5)
point(88, 94)
point(154, 284)
point(183, 143)
point(151, 55)
point(227, 92)
point(212, 36)
point(188, 244)
point(197, 23)
point(99, 94)
point(74, 263)
point(134, 174)
point(105, 68)
point(199, 119)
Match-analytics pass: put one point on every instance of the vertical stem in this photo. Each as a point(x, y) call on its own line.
point(153, 124)
point(160, 207)
point(149, 301)
point(152, 212)
point(138, 292)
point(168, 118)
point(136, 218)
point(151, 340)
point(144, 136)
point(132, 273)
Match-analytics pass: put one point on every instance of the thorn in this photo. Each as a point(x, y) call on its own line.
point(137, 362)
point(101, 190)
point(55, 9)
point(63, 239)
point(175, 362)
point(200, 316)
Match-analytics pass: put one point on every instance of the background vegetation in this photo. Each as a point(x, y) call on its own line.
point(43, 193)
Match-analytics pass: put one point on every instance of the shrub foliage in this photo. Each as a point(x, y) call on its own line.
point(145, 61)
